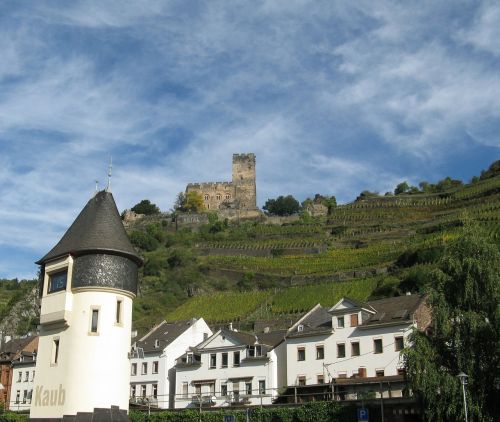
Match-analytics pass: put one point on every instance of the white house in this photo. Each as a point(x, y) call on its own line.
point(232, 368)
point(23, 376)
point(152, 374)
point(353, 341)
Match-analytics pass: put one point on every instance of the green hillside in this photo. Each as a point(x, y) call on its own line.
point(252, 271)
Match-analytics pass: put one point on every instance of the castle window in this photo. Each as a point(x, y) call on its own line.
point(55, 351)
point(228, 196)
point(207, 197)
point(219, 197)
point(57, 281)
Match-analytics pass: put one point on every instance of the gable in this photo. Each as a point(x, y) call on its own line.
point(220, 339)
point(344, 303)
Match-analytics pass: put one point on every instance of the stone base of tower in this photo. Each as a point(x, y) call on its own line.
point(114, 414)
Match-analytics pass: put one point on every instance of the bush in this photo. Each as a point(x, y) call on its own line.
point(144, 241)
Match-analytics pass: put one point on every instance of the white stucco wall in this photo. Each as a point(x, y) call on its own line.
point(249, 370)
point(165, 378)
point(22, 384)
point(92, 368)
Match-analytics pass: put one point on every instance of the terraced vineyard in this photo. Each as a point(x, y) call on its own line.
point(364, 237)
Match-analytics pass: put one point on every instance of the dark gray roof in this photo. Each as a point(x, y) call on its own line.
point(98, 228)
point(392, 310)
point(273, 338)
point(318, 321)
point(244, 338)
point(165, 332)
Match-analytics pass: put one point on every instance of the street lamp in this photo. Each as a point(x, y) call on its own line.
point(463, 379)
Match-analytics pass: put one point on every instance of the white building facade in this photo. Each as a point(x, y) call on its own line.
point(232, 368)
point(152, 373)
point(352, 340)
point(23, 376)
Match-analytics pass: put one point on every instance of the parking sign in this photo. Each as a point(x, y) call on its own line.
point(363, 415)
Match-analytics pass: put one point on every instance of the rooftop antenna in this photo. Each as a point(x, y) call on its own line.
point(108, 188)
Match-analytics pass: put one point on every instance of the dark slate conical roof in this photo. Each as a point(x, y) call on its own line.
point(97, 229)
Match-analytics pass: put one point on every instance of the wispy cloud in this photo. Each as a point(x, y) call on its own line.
point(332, 97)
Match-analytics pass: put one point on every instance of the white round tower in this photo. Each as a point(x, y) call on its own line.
point(87, 284)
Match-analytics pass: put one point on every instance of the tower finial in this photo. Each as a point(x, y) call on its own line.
point(96, 186)
point(108, 188)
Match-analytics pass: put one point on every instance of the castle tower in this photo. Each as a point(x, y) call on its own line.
point(244, 183)
point(87, 284)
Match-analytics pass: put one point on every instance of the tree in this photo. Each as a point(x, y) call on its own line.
point(194, 202)
point(403, 187)
point(283, 205)
point(465, 335)
point(145, 207)
point(493, 170)
point(180, 202)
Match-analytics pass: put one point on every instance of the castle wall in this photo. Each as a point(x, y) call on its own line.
point(239, 194)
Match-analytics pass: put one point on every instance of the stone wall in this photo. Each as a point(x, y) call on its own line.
point(239, 194)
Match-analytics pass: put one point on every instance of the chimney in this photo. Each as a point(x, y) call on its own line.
point(230, 326)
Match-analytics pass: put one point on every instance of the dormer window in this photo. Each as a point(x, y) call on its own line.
point(255, 351)
point(157, 343)
point(340, 322)
point(300, 328)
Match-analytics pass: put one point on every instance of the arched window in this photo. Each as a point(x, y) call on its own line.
point(228, 196)
point(218, 196)
point(207, 197)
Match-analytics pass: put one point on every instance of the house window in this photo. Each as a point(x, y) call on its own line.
point(57, 281)
point(262, 387)
point(301, 380)
point(55, 351)
point(185, 389)
point(341, 350)
point(354, 320)
point(340, 322)
point(155, 391)
point(18, 396)
point(377, 346)
point(143, 391)
point(223, 389)
point(133, 370)
point(144, 370)
point(236, 390)
point(132, 391)
point(33, 376)
point(155, 367)
point(355, 348)
point(197, 389)
point(213, 360)
point(118, 316)
point(19, 376)
point(94, 321)
point(25, 396)
point(399, 343)
point(320, 352)
point(401, 371)
point(236, 359)
point(30, 394)
point(255, 351)
point(26, 376)
point(224, 360)
point(248, 388)
point(321, 379)
point(301, 353)
point(379, 372)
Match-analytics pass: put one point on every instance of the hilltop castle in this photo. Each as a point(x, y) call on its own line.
point(240, 194)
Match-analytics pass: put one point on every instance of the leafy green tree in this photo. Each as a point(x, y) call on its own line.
point(180, 202)
point(493, 170)
point(146, 207)
point(465, 334)
point(283, 205)
point(194, 202)
point(403, 187)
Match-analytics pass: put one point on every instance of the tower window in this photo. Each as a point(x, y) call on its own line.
point(55, 351)
point(57, 281)
point(95, 320)
point(118, 311)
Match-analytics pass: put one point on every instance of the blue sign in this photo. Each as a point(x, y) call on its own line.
point(229, 418)
point(363, 415)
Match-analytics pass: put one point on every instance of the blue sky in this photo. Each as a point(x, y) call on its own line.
point(333, 97)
